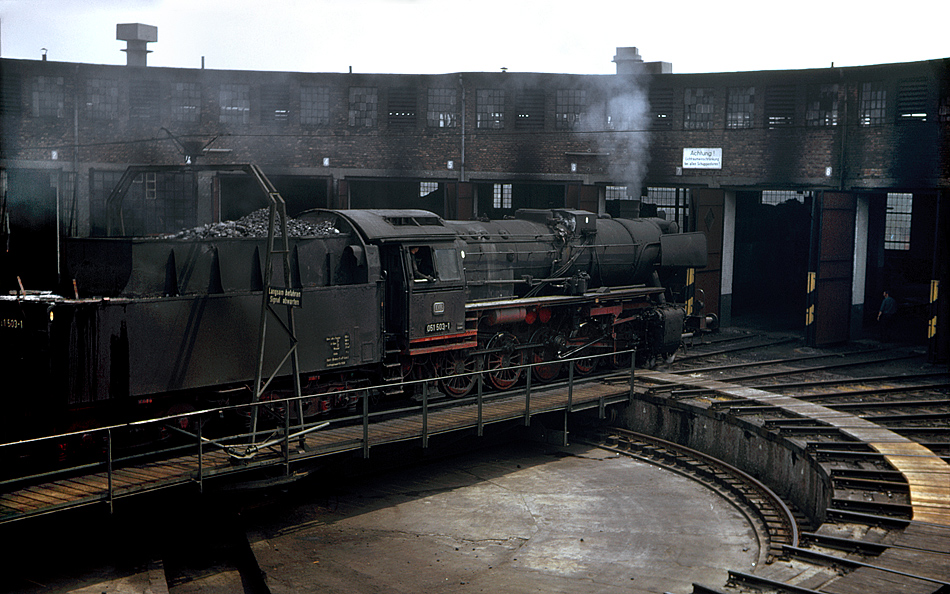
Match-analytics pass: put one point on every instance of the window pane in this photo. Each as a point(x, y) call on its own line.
point(897, 221)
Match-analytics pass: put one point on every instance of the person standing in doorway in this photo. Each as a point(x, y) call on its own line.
point(885, 316)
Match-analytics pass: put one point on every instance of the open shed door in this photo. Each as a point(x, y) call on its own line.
point(709, 219)
point(828, 314)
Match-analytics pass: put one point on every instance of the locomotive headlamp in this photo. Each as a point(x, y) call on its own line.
point(50, 315)
point(462, 253)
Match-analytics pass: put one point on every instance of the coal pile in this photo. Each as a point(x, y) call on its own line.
point(255, 225)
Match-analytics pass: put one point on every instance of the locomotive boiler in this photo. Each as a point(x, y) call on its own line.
point(158, 326)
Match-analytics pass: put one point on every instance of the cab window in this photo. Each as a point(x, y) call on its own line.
point(447, 265)
point(420, 262)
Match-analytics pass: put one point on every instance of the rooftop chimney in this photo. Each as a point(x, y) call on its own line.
point(136, 35)
point(628, 61)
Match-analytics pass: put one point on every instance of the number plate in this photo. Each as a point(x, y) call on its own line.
point(438, 327)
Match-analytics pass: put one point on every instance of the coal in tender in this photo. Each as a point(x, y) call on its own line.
point(255, 224)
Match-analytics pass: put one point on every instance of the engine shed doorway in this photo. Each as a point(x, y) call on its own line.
point(771, 259)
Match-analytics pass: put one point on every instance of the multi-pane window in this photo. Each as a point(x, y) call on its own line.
point(912, 103)
point(617, 193)
point(502, 196)
point(426, 188)
point(402, 108)
point(275, 104)
point(661, 108)
point(441, 111)
point(235, 104)
point(897, 221)
point(822, 106)
point(873, 99)
point(186, 102)
point(673, 201)
point(144, 99)
point(314, 106)
point(363, 107)
point(154, 203)
point(779, 106)
point(490, 109)
point(780, 196)
point(48, 98)
point(698, 109)
point(102, 98)
point(530, 110)
point(739, 107)
point(570, 105)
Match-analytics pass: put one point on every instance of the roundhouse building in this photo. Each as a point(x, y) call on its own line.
point(818, 189)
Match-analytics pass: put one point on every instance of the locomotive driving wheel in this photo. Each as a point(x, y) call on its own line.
point(585, 366)
point(503, 366)
point(546, 351)
point(450, 367)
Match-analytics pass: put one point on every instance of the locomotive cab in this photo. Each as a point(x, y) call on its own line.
point(433, 301)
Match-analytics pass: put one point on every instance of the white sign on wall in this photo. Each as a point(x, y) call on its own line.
point(702, 158)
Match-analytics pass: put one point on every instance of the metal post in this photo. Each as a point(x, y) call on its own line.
point(425, 415)
point(633, 365)
point(527, 399)
point(570, 385)
point(365, 424)
point(481, 424)
point(201, 477)
point(286, 444)
point(109, 454)
point(570, 399)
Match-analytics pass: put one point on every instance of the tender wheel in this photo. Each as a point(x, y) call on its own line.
point(449, 366)
point(502, 367)
point(546, 352)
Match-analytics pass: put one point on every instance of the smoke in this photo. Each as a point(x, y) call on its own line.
point(626, 135)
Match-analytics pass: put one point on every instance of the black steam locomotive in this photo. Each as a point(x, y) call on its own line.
point(164, 326)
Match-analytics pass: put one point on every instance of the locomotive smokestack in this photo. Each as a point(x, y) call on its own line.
point(136, 36)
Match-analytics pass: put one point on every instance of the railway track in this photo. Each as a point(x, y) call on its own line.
point(775, 523)
point(887, 524)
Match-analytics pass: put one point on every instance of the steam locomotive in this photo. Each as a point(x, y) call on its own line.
point(158, 326)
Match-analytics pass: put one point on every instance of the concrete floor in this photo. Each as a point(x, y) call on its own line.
point(515, 518)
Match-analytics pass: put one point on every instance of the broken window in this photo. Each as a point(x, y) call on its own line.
point(234, 102)
point(822, 106)
point(441, 111)
point(490, 109)
point(873, 103)
point(569, 109)
point(186, 102)
point(739, 107)
point(698, 109)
